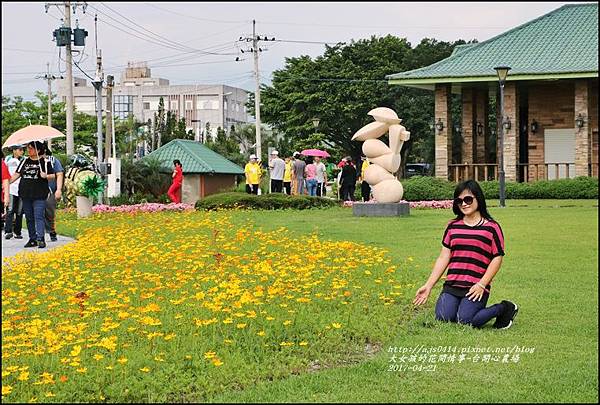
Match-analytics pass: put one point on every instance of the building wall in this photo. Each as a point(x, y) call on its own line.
point(217, 183)
point(593, 116)
point(219, 105)
point(552, 105)
point(191, 188)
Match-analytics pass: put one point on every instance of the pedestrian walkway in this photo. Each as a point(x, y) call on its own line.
point(10, 247)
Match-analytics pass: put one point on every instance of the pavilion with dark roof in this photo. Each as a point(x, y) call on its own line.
point(205, 172)
point(550, 100)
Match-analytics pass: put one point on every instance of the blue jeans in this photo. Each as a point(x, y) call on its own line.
point(35, 211)
point(311, 185)
point(462, 310)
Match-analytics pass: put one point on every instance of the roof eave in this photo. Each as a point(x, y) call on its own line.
point(492, 78)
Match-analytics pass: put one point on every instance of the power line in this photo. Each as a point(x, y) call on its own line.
point(196, 18)
point(25, 50)
point(309, 42)
point(145, 29)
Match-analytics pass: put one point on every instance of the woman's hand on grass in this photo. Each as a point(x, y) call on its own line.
point(475, 293)
point(422, 295)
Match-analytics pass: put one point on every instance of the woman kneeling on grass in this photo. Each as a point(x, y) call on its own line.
point(473, 246)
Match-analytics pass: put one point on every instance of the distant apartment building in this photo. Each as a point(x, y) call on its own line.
point(138, 93)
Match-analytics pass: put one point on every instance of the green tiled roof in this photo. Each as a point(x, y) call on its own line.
point(562, 42)
point(194, 157)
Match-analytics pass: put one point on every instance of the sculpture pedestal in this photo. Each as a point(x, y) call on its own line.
point(363, 209)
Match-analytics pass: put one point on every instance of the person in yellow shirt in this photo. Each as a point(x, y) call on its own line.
point(287, 176)
point(365, 188)
point(253, 173)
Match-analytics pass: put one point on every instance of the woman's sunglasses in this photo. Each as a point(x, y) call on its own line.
point(467, 200)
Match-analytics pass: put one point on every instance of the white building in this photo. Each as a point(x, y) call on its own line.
point(139, 94)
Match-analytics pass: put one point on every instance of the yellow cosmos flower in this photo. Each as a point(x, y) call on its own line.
point(227, 320)
point(170, 336)
point(217, 363)
point(145, 369)
point(286, 323)
point(303, 344)
point(98, 357)
point(49, 394)
point(261, 333)
point(122, 360)
point(76, 350)
point(240, 325)
point(286, 344)
point(6, 389)
point(82, 370)
point(209, 355)
point(336, 325)
point(24, 376)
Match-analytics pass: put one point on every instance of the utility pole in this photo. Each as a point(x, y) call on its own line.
point(48, 77)
point(257, 93)
point(69, 106)
point(69, 59)
point(98, 86)
point(255, 49)
point(109, 115)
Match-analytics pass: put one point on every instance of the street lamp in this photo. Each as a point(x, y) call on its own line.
point(502, 72)
point(315, 122)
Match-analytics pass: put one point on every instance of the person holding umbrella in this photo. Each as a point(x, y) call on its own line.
point(34, 173)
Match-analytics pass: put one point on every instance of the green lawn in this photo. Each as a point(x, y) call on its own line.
point(550, 270)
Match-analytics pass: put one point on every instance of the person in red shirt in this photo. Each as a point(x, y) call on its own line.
point(174, 190)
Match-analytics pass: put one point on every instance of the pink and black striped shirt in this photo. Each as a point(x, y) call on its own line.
point(473, 248)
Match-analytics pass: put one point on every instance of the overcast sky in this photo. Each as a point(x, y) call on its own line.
point(161, 33)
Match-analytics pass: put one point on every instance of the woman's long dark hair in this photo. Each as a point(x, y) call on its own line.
point(474, 188)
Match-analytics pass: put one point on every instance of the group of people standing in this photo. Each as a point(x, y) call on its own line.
point(298, 175)
point(32, 186)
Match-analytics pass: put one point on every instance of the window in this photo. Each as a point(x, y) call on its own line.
point(225, 105)
point(146, 106)
point(174, 105)
point(188, 104)
point(123, 106)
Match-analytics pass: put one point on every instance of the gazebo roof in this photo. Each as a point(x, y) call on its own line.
point(557, 45)
point(194, 157)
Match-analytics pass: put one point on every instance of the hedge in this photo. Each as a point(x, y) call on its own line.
point(272, 201)
point(421, 188)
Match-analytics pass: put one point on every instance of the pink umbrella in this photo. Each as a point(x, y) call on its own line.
point(32, 133)
point(315, 152)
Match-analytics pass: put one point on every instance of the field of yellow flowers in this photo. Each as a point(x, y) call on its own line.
point(180, 306)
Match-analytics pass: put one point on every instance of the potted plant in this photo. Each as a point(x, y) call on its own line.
point(89, 189)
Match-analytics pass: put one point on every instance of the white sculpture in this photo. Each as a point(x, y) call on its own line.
point(385, 160)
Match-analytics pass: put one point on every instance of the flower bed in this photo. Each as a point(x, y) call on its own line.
point(443, 204)
point(146, 207)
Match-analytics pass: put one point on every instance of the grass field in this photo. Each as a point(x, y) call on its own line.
point(354, 314)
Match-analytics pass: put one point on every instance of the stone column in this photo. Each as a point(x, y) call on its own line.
point(443, 138)
point(468, 124)
point(511, 136)
point(481, 116)
point(582, 135)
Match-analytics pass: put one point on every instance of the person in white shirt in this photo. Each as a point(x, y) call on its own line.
point(321, 177)
point(14, 217)
point(277, 170)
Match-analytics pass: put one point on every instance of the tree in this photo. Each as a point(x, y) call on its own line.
point(341, 86)
point(17, 114)
point(226, 146)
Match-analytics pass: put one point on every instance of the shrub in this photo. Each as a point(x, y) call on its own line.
point(429, 188)
point(422, 188)
point(266, 201)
